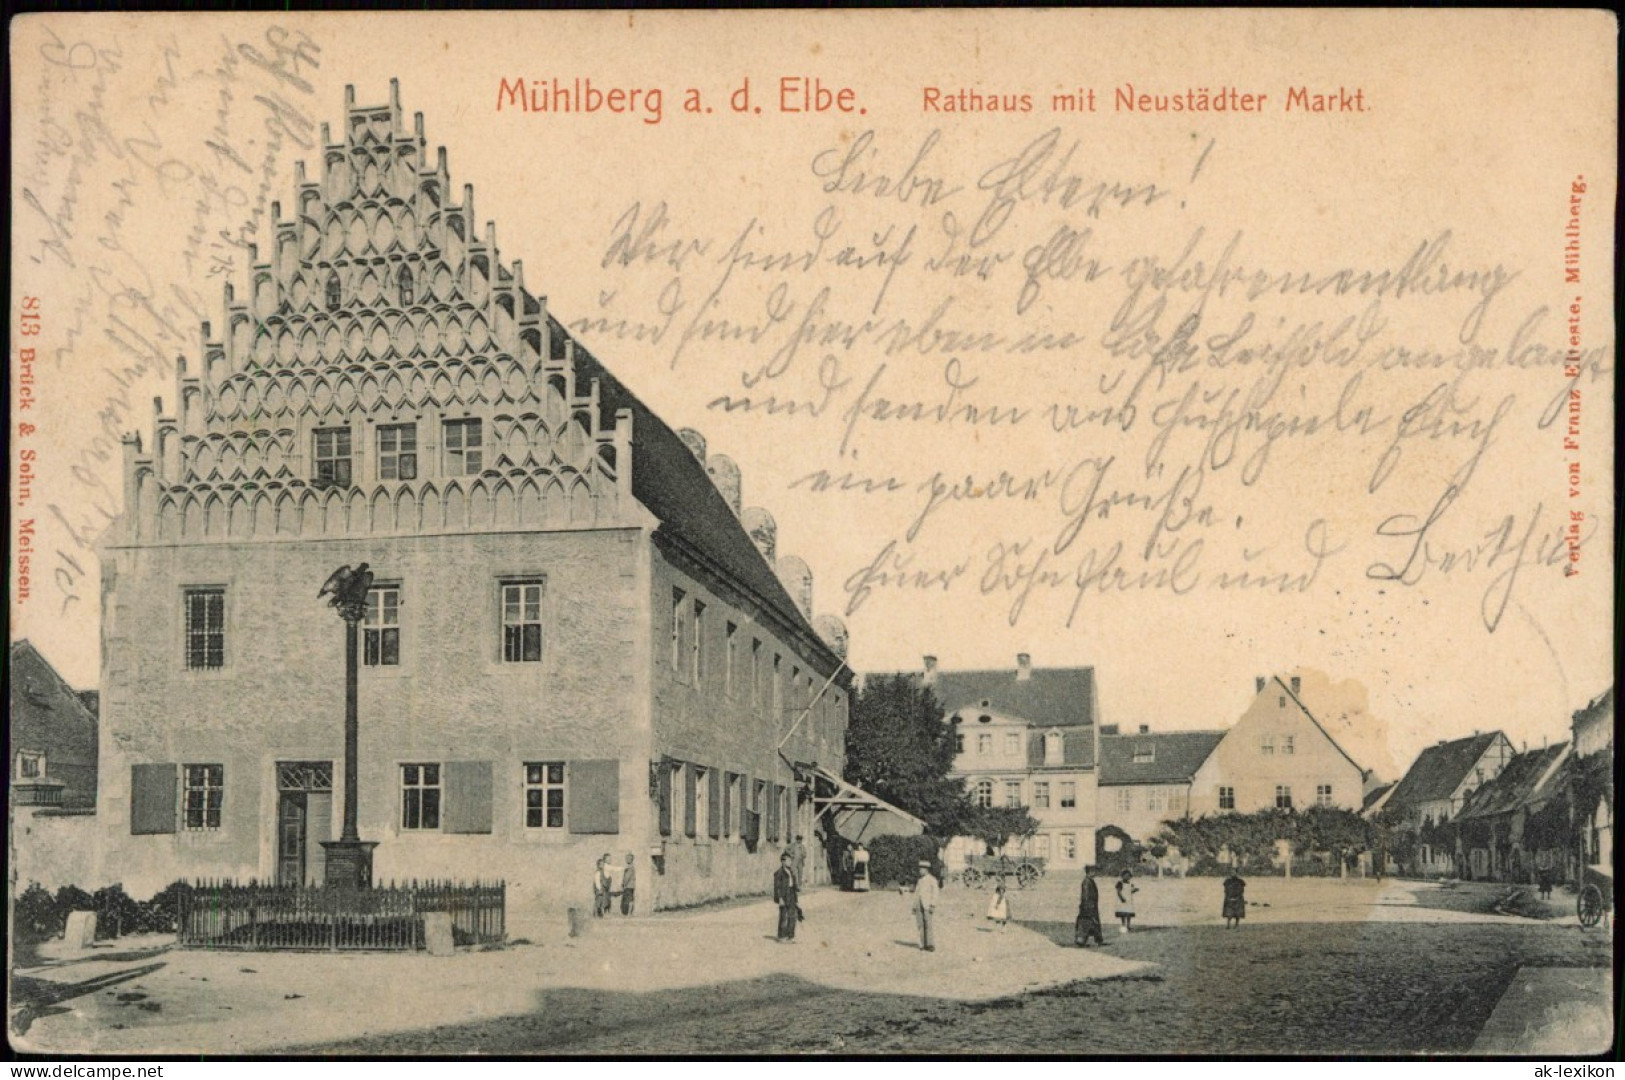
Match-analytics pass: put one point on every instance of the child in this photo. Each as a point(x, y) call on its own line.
point(999, 909)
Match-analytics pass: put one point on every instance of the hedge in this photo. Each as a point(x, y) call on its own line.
point(895, 860)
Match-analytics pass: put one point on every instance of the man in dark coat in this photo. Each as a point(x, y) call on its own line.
point(1088, 925)
point(786, 894)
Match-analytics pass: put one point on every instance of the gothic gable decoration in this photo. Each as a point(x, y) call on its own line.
point(386, 374)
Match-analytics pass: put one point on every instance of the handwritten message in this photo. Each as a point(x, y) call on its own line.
point(1135, 374)
point(198, 138)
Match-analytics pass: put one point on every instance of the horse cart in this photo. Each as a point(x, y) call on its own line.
point(1596, 896)
point(999, 868)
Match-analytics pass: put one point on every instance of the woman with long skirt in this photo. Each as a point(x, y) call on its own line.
point(1088, 925)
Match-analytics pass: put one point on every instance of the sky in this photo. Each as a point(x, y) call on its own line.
point(1189, 396)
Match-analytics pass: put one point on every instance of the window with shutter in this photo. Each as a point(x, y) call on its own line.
point(152, 799)
point(715, 815)
point(594, 797)
point(774, 805)
point(730, 799)
point(467, 797)
point(689, 783)
point(663, 795)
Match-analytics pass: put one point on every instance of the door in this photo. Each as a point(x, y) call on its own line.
point(304, 819)
point(291, 834)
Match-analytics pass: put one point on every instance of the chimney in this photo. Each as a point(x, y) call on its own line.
point(763, 531)
point(694, 441)
point(1296, 682)
point(930, 677)
point(797, 578)
point(1024, 666)
point(1145, 729)
point(1108, 729)
point(1258, 684)
point(725, 475)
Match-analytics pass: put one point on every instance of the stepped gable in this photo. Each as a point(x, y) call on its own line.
point(381, 300)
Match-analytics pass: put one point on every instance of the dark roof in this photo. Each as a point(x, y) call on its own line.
point(1048, 697)
point(670, 481)
point(1439, 770)
point(42, 704)
point(48, 716)
point(1515, 786)
point(1597, 709)
point(1077, 747)
point(92, 700)
point(1175, 756)
point(1374, 794)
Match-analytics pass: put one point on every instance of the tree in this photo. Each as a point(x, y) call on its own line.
point(898, 747)
point(996, 826)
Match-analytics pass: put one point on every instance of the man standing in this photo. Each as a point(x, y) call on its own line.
point(629, 883)
point(606, 884)
point(786, 894)
point(798, 858)
point(925, 906)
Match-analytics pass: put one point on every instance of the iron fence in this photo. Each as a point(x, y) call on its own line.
point(215, 914)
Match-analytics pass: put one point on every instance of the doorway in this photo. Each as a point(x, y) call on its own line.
point(304, 819)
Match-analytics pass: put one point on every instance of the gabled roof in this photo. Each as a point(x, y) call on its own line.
point(1077, 741)
point(1174, 756)
point(1439, 770)
point(1375, 795)
point(1521, 783)
point(1046, 698)
point(1293, 694)
point(670, 481)
point(44, 708)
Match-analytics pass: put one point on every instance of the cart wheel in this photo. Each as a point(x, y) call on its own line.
point(1590, 906)
point(1026, 876)
point(973, 877)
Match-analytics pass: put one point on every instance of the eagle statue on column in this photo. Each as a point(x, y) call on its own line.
point(348, 586)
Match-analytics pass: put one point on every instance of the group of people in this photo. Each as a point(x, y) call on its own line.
point(927, 890)
point(1088, 928)
point(603, 887)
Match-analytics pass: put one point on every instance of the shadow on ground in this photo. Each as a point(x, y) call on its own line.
point(34, 998)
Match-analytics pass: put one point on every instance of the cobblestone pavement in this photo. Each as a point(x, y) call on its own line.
point(1319, 967)
point(1371, 974)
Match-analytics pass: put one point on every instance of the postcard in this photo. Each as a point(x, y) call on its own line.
point(810, 532)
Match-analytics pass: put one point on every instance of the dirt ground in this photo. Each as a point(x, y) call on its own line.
point(1319, 966)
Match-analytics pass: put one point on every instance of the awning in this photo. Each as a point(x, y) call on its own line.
point(854, 813)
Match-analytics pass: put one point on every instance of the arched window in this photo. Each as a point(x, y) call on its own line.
point(984, 793)
point(1052, 748)
point(334, 293)
point(405, 283)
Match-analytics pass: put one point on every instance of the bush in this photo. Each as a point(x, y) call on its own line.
point(894, 860)
point(116, 913)
point(70, 898)
point(161, 914)
point(35, 916)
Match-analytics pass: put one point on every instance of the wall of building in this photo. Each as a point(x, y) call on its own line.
point(56, 849)
point(1140, 809)
point(713, 714)
point(280, 697)
point(1241, 762)
point(999, 751)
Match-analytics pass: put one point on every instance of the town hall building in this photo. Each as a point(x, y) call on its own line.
point(577, 642)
